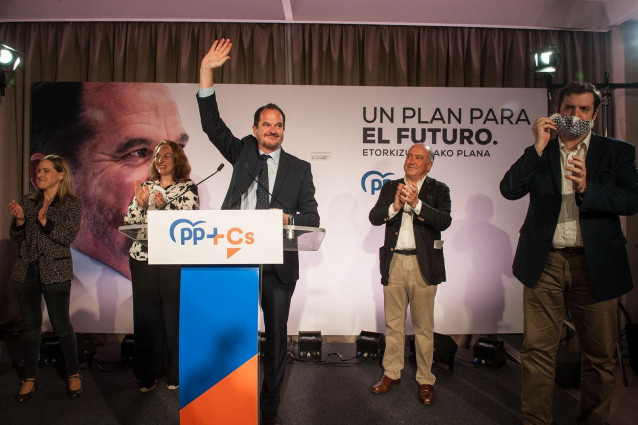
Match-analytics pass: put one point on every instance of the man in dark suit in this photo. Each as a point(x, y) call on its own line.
point(289, 180)
point(571, 254)
point(415, 210)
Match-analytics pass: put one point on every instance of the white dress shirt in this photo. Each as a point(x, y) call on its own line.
point(406, 233)
point(567, 233)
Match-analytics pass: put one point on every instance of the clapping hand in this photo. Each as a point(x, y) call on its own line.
point(160, 202)
point(42, 214)
point(17, 212)
point(141, 194)
point(410, 194)
point(399, 200)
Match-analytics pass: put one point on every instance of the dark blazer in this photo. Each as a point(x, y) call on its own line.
point(293, 191)
point(52, 242)
point(428, 225)
point(612, 190)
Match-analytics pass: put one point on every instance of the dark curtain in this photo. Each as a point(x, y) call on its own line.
point(357, 55)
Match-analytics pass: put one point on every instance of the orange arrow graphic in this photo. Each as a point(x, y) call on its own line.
point(231, 251)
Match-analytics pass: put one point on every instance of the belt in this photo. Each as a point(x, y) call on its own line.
point(570, 250)
point(405, 251)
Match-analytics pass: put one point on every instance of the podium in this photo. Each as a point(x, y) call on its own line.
point(220, 253)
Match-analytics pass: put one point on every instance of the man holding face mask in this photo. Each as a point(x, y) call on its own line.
point(571, 254)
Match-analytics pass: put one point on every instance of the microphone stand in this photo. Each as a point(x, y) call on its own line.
point(290, 233)
point(189, 186)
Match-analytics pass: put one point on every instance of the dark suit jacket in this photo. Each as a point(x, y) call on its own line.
point(428, 225)
point(293, 191)
point(53, 241)
point(612, 190)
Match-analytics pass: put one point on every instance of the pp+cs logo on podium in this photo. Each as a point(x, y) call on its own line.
point(185, 232)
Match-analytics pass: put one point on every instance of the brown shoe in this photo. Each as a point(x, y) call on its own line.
point(384, 384)
point(426, 393)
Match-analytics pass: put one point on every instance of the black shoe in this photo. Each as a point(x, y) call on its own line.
point(270, 419)
point(74, 393)
point(21, 398)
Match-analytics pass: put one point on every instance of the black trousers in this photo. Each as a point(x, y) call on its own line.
point(156, 290)
point(275, 304)
point(56, 297)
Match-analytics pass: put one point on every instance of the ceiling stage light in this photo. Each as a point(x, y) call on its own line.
point(10, 58)
point(546, 59)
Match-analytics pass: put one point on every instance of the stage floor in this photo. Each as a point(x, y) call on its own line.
point(331, 391)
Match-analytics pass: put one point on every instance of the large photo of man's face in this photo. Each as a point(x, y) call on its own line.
point(108, 132)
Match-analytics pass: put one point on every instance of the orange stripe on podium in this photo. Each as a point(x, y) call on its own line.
point(231, 401)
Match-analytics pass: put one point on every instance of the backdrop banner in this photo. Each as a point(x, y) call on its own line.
point(355, 139)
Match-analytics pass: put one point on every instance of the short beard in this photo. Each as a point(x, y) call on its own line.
point(103, 222)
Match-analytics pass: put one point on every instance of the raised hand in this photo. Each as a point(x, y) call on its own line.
point(218, 54)
point(216, 57)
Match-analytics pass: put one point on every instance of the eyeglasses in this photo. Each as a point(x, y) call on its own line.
point(165, 157)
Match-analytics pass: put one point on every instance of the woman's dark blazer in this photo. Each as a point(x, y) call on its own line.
point(52, 241)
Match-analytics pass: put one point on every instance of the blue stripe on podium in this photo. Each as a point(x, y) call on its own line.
point(218, 325)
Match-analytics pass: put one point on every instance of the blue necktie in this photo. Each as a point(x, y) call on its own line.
point(262, 188)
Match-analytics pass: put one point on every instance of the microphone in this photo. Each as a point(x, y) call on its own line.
point(283, 207)
point(289, 233)
point(216, 171)
point(190, 186)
